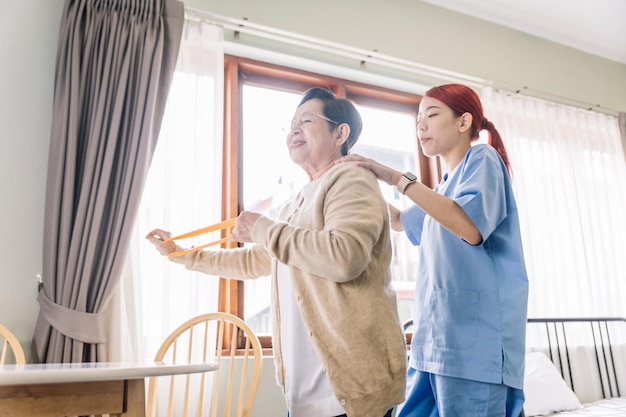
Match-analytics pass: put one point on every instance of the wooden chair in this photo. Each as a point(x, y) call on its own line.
point(219, 337)
point(10, 344)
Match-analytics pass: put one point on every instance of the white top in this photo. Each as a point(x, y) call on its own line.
point(307, 388)
point(94, 371)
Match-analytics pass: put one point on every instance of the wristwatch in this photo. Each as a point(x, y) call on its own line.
point(406, 179)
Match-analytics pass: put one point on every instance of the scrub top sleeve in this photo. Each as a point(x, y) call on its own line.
point(412, 220)
point(481, 190)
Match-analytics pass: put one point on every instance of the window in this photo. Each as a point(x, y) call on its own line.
point(268, 96)
point(249, 169)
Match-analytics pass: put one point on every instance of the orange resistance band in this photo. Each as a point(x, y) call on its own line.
point(214, 227)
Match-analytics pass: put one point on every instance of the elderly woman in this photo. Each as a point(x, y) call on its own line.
point(337, 341)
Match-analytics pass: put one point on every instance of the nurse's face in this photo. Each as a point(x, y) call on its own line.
point(438, 128)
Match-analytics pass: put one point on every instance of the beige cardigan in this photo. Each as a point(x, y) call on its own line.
point(338, 249)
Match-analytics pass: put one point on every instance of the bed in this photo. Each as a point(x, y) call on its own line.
point(575, 367)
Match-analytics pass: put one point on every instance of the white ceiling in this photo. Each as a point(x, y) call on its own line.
point(597, 27)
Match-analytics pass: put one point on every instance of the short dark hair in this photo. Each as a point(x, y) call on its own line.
point(340, 110)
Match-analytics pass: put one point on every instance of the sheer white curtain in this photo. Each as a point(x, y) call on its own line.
point(182, 193)
point(568, 176)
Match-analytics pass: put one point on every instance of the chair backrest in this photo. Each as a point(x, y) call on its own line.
point(230, 390)
point(9, 343)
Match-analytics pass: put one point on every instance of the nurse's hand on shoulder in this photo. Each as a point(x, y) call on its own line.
point(382, 172)
point(243, 227)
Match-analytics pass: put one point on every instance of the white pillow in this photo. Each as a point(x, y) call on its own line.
point(545, 390)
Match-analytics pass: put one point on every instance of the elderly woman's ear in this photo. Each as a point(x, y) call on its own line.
point(342, 133)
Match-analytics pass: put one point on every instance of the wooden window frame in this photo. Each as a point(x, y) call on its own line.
point(239, 71)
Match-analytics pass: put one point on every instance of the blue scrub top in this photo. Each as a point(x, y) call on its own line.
point(471, 301)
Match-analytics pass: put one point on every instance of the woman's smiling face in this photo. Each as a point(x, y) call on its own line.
point(311, 142)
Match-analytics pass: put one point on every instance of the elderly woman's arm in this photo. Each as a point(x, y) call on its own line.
point(345, 219)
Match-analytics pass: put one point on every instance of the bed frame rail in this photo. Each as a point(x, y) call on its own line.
point(603, 336)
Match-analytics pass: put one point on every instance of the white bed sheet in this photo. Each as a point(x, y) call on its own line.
point(608, 407)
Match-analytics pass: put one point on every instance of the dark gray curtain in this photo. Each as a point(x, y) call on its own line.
point(115, 62)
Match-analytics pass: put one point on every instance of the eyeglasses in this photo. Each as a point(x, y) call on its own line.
point(305, 120)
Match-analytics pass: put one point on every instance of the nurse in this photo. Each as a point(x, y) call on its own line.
point(471, 293)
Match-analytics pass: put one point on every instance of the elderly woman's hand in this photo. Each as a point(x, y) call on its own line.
point(157, 238)
point(243, 227)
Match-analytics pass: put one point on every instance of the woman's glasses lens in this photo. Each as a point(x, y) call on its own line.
point(306, 119)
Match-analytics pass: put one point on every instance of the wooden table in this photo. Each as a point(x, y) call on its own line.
point(54, 390)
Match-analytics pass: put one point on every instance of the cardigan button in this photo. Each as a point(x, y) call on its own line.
point(342, 402)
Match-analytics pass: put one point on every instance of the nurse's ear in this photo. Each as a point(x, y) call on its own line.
point(465, 122)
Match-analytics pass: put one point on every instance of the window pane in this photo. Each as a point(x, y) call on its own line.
point(270, 178)
point(389, 137)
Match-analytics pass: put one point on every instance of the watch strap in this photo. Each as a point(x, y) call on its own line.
point(405, 180)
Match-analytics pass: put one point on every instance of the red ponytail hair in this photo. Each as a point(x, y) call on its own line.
point(462, 99)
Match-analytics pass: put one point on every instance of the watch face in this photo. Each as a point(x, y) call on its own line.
point(406, 179)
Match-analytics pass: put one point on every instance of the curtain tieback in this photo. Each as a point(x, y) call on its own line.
point(78, 325)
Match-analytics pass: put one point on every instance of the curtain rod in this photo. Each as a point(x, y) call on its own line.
point(361, 55)
point(552, 98)
point(364, 57)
